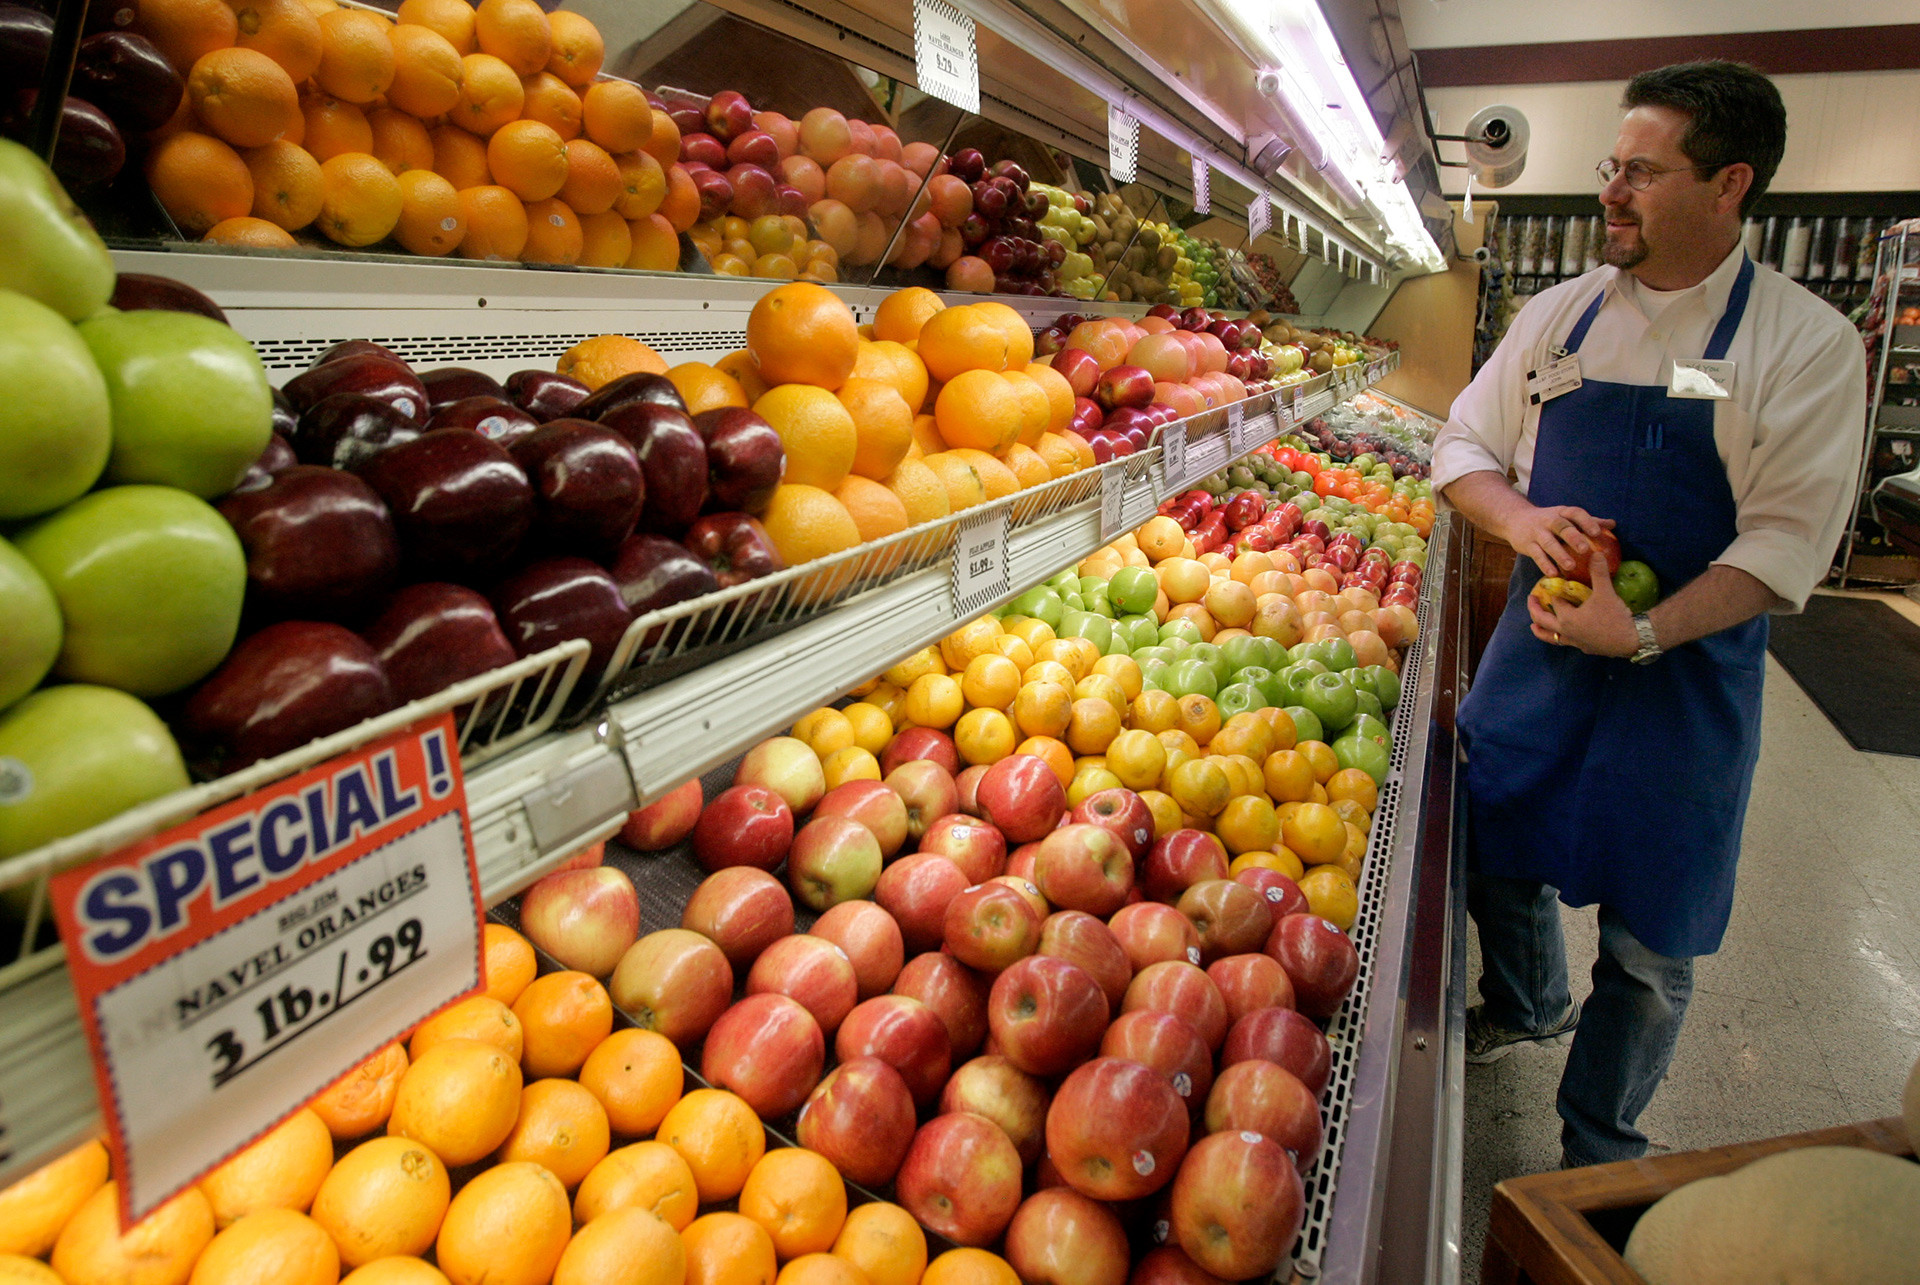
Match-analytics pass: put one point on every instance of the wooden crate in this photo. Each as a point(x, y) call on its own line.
point(1568, 1227)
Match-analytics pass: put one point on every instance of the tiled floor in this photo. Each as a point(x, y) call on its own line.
point(1809, 1015)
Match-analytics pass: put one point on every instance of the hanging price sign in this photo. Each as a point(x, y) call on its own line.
point(1123, 144)
point(1259, 216)
point(1173, 455)
point(945, 59)
point(1113, 493)
point(1239, 431)
point(231, 968)
point(980, 563)
point(1202, 186)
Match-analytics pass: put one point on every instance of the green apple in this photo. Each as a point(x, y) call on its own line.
point(76, 755)
point(1210, 655)
point(1355, 750)
point(1332, 700)
point(1306, 724)
point(1133, 590)
point(55, 422)
point(1097, 630)
point(1365, 702)
point(1239, 698)
point(1241, 652)
point(31, 640)
point(53, 254)
point(1140, 631)
point(1190, 678)
point(1040, 602)
point(149, 581)
point(1183, 629)
point(191, 404)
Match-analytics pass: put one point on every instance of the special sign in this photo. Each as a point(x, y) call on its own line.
point(233, 967)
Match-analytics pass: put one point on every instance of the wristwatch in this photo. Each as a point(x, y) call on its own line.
point(1649, 644)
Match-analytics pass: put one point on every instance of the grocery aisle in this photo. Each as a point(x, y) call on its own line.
point(1809, 1015)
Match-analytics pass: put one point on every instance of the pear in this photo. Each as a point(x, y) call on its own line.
point(55, 421)
point(53, 254)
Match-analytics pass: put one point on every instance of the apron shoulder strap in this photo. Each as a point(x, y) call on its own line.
point(1736, 309)
point(1580, 327)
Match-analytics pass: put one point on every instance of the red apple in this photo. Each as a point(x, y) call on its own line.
point(1117, 1130)
point(970, 843)
point(812, 971)
point(789, 768)
point(997, 1089)
point(1123, 812)
point(1180, 859)
point(906, 1035)
point(1084, 867)
point(1022, 798)
point(1081, 369)
point(1185, 991)
point(989, 926)
point(1080, 938)
point(920, 743)
point(585, 919)
point(1169, 1265)
point(1020, 861)
point(871, 939)
point(834, 859)
point(874, 806)
point(1231, 918)
point(928, 791)
point(1046, 1015)
point(968, 784)
point(675, 982)
point(1318, 958)
point(961, 1179)
point(1059, 1237)
point(861, 1119)
point(915, 890)
point(956, 993)
point(1284, 1038)
point(1237, 1205)
point(742, 909)
point(1169, 1045)
point(1265, 1098)
point(1028, 893)
point(1250, 981)
point(1046, 1174)
point(665, 822)
point(768, 1050)
point(1152, 932)
point(1283, 894)
point(745, 825)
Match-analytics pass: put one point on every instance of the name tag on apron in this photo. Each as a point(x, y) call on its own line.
point(1701, 379)
point(1561, 375)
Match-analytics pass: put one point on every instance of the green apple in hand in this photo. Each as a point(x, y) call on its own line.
point(54, 420)
point(149, 581)
point(53, 254)
point(31, 639)
point(191, 404)
point(76, 755)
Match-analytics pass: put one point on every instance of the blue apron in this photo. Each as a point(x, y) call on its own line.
point(1620, 784)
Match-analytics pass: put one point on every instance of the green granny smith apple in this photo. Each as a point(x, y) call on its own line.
point(1306, 724)
point(1355, 750)
point(1141, 631)
point(1637, 586)
point(1242, 652)
point(30, 642)
point(1239, 698)
point(1295, 677)
point(53, 254)
point(1190, 678)
point(1133, 590)
point(1365, 702)
point(149, 580)
point(55, 420)
point(1183, 629)
point(1372, 729)
point(191, 404)
point(1331, 699)
point(1042, 603)
point(76, 755)
point(1085, 624)
point(1210, 655)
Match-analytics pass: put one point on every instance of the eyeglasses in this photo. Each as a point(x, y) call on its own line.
point(1640, 175)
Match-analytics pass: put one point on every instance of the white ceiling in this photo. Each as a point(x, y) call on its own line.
point(1436, 24)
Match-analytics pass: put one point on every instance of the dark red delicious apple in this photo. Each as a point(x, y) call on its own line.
point(494, 418)
point(861, 1118)
point(1046, 1015)
point(703, 148)
point(871, 939)
point(675, 982)
point(1185, 991)
point(1238, 1204)
point(319, 543)
point(655, 572)
point(1319, 959)
point(735, 545)
point(953, 991)
point(546, 395)
point(587, 485)
point(1248, 982)
point(279, 689)
point(961, 1179)
point(997, 1089)
point(1117, 1130)
point(1082, 940)
point(745, 459)
point(1265, 1098)
point(745, 825)
point(989, 926)
point(347, 430)
point(125, 76)
point(812, 972)
point(742, 909)
point(768, 1050)
point(673, 458)
point(357, 348)
point(1123, 812)
point(1152, 932)
point(1285, 1038)
point(555, 599)
point(1180, 859)
point(906, 1035)
point(915, 890)
point(754, 147)
point(135, 291)
point(433, 635)
point(1060, 1237)
point(275, 458)
point(755, 193)
point(920, 743)
point(1167, 1043)
point(1231, 918)
point(1022, 798)
point(459, 502)
point(637, 387)
point(448, 384)
point(368, 373)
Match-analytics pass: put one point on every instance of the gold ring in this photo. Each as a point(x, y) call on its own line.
point(1556, 637)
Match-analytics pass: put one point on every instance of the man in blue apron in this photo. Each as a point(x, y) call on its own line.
point(1708, 412)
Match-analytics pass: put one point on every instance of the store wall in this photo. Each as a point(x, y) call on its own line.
point(1432, 317)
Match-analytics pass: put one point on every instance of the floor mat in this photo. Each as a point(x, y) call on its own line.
point(1859, 660)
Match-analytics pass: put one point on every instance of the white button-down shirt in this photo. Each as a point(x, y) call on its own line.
point(1790, 436)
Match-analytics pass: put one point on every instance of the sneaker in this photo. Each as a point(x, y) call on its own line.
point(1489, 1043)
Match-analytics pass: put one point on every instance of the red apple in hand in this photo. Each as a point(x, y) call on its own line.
point(1179, 860)
point(1152, 932)
point(1116, 1130)
point(1059, 1237)
point(1084, 867)
point(767, 1049)
point(1046, 1015)
point(1022, 798)
point(990, 925)
point(1248, 982)
point(585, 919)
point(871, 939)
point(1264, 1098)
point(1185, 991)
point(906, 1035)
point(665, 822)
point(1318, 958)
point(742, 909)
point(1169, 1045)
point(745, 825)
point(1123, 812)
point(1284, 1038)
point(915, 890)
point(861, 1119)
point(675, 982)
point(970, 843)
point(956, 993)
point(997, 1089)
point(961, 1179)
point(1081, 939)
point(1237, 1205)
point(1605, 543)
point(874, 806)
point(811, 971)
point(1231, 918)
point(928, 791)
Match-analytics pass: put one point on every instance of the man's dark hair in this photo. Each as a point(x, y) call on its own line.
point(1735, 115)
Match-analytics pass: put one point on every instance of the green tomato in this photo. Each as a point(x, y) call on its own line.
point(1133, 590)
point(1354, 750)
point(1095, 629)
point(1306, 724)
point(1185, 630)
point(1239, 698)
point(1331, 699)
point(1191, 677)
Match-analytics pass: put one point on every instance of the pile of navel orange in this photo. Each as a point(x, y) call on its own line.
point(516, 1139)
point(927, 411)
point(487, 131)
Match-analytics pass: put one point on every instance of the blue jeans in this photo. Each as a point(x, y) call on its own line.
point(1628, 1026)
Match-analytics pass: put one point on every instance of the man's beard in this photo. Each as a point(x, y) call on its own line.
point(1630, 255)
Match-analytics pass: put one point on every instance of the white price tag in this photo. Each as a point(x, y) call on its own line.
point(945, 60)
point(1202, 186)
point(1259, 215)
point(231, 968)
point(1123, 144)
point(1113, 492)
point(1173, 455)
point(1237, 429)
point(980, 573)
